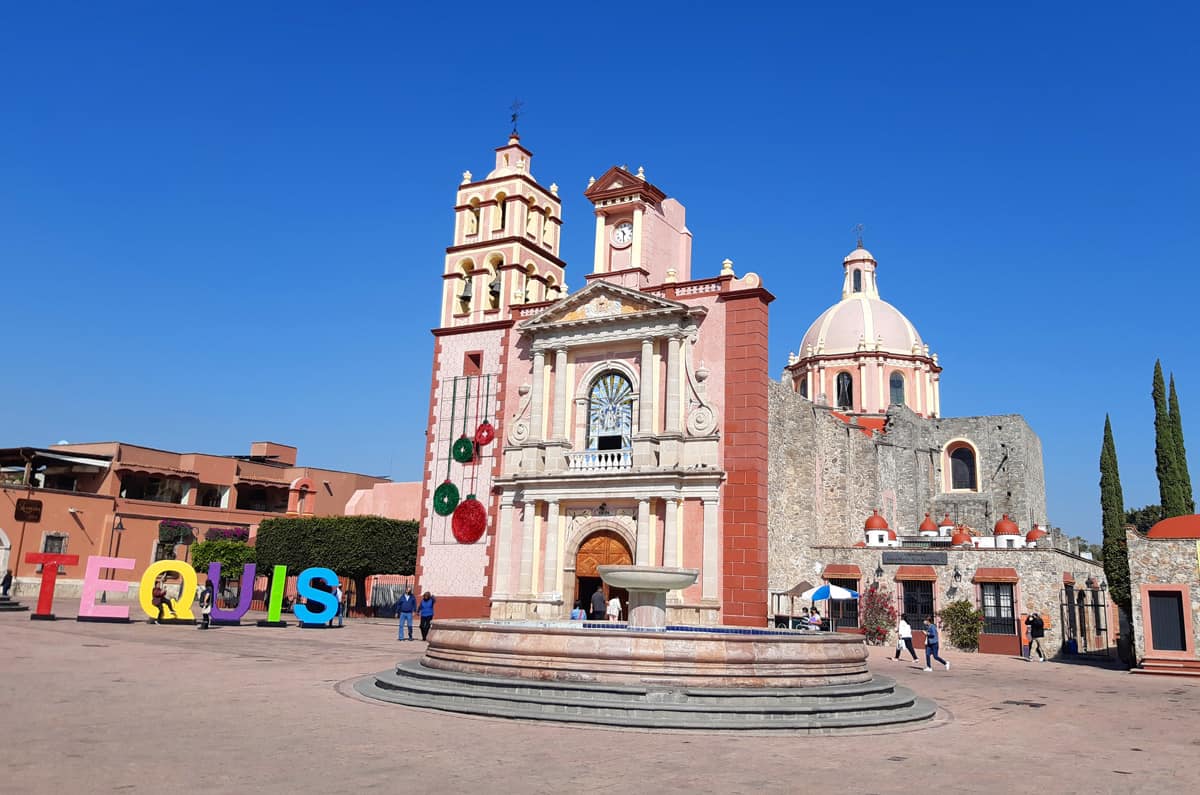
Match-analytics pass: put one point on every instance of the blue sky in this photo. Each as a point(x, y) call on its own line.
point(225, 222)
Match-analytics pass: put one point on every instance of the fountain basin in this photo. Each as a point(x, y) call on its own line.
point(727, 657)
point(647, 578)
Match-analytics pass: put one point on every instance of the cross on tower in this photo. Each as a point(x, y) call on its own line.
point(516, 112)
point(858, 231)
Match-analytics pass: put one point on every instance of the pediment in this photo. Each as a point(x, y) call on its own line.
point(601, 300)
point(619, 182)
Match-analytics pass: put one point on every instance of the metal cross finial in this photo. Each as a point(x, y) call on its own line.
point(516, 112)
point(858, 230)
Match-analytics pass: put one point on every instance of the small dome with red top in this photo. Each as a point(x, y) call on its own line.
point(876, 522)
point(960, 537)
point(1006, 527)
point(1035, 534)
point(928, 525)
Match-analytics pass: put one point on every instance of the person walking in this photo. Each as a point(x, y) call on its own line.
point(6, 583)
point(932, 641)
point(904, 640)
point(1037, 630)
point(341, 605)
point(426, 610)
point(578, 613)
point(405, 608)
point(207, 596)
point(613, 613)
point(599, 605)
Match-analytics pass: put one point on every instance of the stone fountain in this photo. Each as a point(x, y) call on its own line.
point(650, 674)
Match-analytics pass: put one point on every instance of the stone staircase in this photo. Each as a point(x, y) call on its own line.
point(1169, 667)
point(877, 704)
point(10, 605)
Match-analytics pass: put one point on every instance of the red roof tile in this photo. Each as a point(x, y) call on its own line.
point(995, 574)
point(1177, 527)
point(916, 573)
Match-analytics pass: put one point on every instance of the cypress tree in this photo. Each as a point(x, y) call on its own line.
point(1185, 479)
point(1112, 509)
point(1169, 489)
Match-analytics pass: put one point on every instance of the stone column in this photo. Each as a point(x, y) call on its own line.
point(710, 575)
point(552, 564)
point(643, 534)
point(671, 533)
point(559, 430)
point(525, 586)
point(645, 394)
point(673, 407)
point(536, 398)
point(502, 564)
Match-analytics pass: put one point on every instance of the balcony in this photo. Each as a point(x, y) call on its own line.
point(600, 461)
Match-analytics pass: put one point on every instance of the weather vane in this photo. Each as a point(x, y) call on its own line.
point(516, 112)
point(858, 230)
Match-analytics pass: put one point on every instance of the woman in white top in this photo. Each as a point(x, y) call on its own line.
point(904, 640)
point(614, 609)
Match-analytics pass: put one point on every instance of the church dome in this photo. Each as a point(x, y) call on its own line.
point(861, 319)
point(960, 537)
point(1006, 527)
point(1034, 534)
point(875, 522)
point(859, 254)
point(928, 525)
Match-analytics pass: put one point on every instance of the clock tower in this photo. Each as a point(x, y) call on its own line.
point(641, 238)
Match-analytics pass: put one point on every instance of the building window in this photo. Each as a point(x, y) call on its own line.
point(845, 391)
point(155, 488)
point(210, 495)
point(500, 219)
point(845, 611)
point(998, 615)
point(962, 469)
point(918, 602)
point(265, 499)
point(610, 413)
point(896, 385)
point(804, 386)
point(473, 363)
point(473, 218)
point(857, 281)
point(55, 544)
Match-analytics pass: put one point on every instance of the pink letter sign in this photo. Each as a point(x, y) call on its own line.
point(92, 582)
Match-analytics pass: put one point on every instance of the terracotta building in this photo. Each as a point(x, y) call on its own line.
point(108, 498)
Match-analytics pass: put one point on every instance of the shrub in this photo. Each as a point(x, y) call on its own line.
point(232, 555)
point(962, 623)
point(173, 531)
point(877, 613)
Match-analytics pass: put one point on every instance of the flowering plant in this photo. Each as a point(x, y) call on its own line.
point(877, 612)
point(173, 531)
point(227, 534)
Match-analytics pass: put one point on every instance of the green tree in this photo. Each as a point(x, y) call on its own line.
point(1145, 517)
point(353, 546)
point(1185, 478)
point(963, 623)
point(232, 555)
point(1170, 487)
point(1112, 509)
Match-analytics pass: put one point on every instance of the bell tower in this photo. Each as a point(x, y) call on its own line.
point(506, 242)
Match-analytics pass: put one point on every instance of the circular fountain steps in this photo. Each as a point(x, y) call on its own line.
point(875, 704)
point(10, 605)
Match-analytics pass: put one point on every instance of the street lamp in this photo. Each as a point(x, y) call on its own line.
point(957, 575)
point(118, 527)
point(878, 571)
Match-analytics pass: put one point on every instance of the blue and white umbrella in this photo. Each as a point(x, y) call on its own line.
point(827, 591)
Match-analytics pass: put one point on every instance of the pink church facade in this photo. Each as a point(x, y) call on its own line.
point(629, 417)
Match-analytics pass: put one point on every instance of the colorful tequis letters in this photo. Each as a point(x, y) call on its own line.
point(94, 583)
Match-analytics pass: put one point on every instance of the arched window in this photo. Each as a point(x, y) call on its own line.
point(473, 218)
point(896, 386)
point(501, 216)
point(529, 282)
point(551, 288)
point(962, 469)
point(845, 391)
point(463, 286)
point(804, 386)
point(548, 229)
point(610, 413)
point(531, 216)
point(857, 281)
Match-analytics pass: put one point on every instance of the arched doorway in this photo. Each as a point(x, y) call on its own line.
point(603, 548)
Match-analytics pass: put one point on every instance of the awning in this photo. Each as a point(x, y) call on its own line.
point(798, 588)
point(124, 466)
point(998, 574)
point(842, 571)
point(916, 573)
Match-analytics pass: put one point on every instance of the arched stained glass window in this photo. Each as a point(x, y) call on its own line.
point(845, 391)
point(610, 413)
point(962, 468)
point(896, 386)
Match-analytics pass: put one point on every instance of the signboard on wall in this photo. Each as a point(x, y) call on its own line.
point(28, 511)
point(893, 557)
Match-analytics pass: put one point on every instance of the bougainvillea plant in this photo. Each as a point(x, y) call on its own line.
point(173, 531)
point(227, 534)
point(877, 613)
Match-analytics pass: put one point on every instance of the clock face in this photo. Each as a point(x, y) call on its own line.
point(622, 234)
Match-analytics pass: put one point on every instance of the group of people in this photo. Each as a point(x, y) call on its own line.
point(407, 605)
point(1034, 624)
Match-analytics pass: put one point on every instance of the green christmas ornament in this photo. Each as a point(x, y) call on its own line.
point(445, 499)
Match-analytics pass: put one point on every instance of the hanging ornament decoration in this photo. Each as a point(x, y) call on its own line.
point(463, 448)
point(470, 520)
point(445, 499)
point(485, 433)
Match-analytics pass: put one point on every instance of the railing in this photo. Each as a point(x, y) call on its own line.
point(708, 286)
point(600, 460)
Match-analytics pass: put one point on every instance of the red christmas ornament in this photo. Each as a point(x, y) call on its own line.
point(470, 520)
point(484, 434)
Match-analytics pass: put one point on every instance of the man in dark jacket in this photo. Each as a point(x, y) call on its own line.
point(599, 603)
point(405, 608)
point(1037, 629)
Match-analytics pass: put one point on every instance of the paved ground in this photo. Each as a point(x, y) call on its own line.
point(104, 708)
